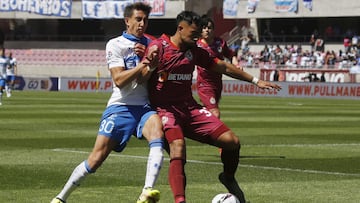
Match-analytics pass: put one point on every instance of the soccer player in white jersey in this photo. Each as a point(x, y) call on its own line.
point(10, 73)
point(4, 63)
point(128, 111)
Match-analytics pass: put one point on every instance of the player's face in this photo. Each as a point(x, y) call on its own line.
point(137, 23)
point(189, 33)
point(207, 31)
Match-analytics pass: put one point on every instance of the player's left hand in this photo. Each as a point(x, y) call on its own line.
point(268, 85)
point(152, 57)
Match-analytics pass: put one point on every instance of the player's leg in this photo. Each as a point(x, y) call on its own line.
point(7, 89)
point(101, 150)
point(152, 131)
point(211, 130)
point(2, 85)
point(10, 85)
point(115, 119)
point(175, 144)
point(176, 176)
point(230, 155)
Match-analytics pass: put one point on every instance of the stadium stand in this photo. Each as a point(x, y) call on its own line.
point(56, 57)
point(60, 62)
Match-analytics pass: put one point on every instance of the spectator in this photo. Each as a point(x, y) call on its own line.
point(245, 43)
point(319, 59)
point(312, 41)
point(330, 58)
point(355, 42)
point(265, 55)
point(305, 60)
point(319, 44)
point(278, 55)
point(347, 44)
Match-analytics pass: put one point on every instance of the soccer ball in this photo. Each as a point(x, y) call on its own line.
point(225, 198)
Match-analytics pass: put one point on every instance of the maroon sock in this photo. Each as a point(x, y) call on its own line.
point(177, 179)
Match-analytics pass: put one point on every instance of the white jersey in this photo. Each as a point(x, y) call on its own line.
point(4, 62)
point(11, 69)
point(120, 53)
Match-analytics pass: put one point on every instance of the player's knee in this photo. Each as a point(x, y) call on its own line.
point(177, 149)
point(230, 141)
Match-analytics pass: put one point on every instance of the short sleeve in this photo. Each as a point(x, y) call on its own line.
point(114, 57)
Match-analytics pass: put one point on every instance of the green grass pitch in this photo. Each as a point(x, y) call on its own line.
point(293, 150)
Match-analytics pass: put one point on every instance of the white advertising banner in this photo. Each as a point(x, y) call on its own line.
point(60, 8)
point(236, 88)
point(115, 8)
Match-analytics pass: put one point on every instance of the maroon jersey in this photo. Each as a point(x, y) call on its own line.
point(209, 79)
point(171, 82)
point(170, 93)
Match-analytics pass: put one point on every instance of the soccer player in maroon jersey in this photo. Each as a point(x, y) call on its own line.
point(209, 83)
point(170, 93)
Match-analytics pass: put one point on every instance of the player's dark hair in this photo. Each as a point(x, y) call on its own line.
point(137, 6)
point(205, 20)
point(188, 16)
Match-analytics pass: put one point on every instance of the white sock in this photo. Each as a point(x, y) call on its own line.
point(155, 159)
point(77, 176)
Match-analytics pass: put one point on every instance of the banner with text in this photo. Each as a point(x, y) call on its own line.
point(47, 84)
point(85, 84)
point(307, 75)
point(286, 5)
point(235, 88)
point(61, 8)
point(293, 89)
point(115, 8)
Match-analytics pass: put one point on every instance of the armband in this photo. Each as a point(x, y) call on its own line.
point(255, 80)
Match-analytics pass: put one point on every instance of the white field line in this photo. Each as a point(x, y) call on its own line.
point(218, 163)
point(303, 145)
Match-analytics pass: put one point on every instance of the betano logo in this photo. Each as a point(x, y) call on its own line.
point(164, 76)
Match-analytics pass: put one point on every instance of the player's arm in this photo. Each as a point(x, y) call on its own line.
point(140, 73)
point(231, 70)
point(151, 59)
point(15, 68)
point(122, 76)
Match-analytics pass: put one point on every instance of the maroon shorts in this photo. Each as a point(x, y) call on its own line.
point(209, 97)
point(192, 121)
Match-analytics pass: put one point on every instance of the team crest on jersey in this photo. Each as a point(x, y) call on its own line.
point(189, 55)
point(164, 120)
point(219, 49)
point(212, 100)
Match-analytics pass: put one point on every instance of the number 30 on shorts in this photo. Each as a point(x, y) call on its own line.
point(106, 126)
